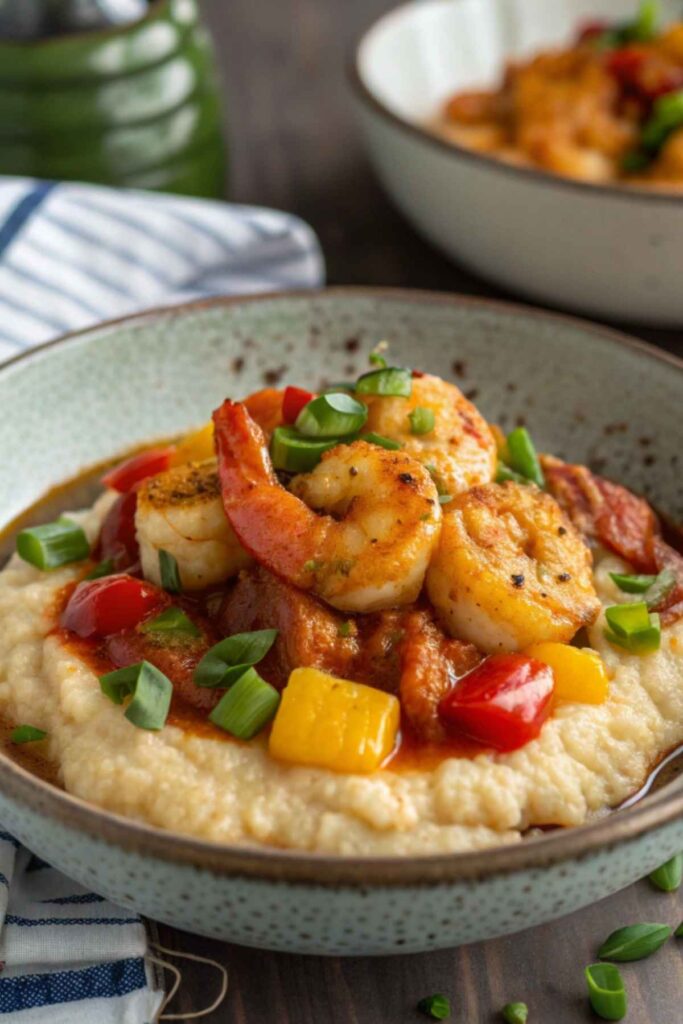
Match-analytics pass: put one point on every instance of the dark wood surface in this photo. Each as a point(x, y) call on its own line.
point(294, 146)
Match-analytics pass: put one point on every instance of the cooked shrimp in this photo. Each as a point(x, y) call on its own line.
point(372, 547)
point(510, 570)
point(181, 511)
point(460, 449)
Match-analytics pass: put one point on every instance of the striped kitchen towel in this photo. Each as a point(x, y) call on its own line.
point(71, 255)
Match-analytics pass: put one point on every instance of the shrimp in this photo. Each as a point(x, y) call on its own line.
point(371, 548)
point(181, 511)
point(511, 570)
point(461, 449)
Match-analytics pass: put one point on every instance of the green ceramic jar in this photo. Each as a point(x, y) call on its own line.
point(136, 106)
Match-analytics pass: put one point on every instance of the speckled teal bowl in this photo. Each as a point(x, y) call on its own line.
point(83, 399)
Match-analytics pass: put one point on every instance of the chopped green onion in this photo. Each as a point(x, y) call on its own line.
point(380, 441)
point(668, 877)
point(523, 456)
point(340, 385)
point(635, 161)
point(27, 734)
point(375, 359)
point(53, 544)
point(390, 381)
point(344, 629)
point(169, 572)
point(105, 568)
point(150, 689)
point(445, 498)
point(231, 658)
point(606, 991)
point(437, 1007)
point(644, 27)
point(666, 117)
point(515, 1013)
point(626, 619)
point(504, 473)
point(632, 584)
point(635, 942)
point(296, 454)
point(173, 620)
point(633, 627)
point(661, 588)
point(421, 420)
point(331, 416)
point(678, 934)
point(247, 706)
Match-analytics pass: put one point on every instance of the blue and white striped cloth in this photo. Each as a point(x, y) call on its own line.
point(71, 255)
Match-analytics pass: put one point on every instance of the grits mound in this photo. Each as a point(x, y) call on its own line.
point(587, 759)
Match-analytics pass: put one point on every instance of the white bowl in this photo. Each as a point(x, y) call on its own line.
point(609, 250)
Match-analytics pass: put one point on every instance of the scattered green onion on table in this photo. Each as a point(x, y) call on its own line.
point(634, 942)
point(606, 991)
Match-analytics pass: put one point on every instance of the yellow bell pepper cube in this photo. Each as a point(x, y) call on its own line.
point(579, 672)
point(333, 723)
point(195, 447)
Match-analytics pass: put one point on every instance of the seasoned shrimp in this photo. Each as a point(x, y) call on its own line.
point(181, 511)
point(461, 450)
point(510, 570)
point(372, 547)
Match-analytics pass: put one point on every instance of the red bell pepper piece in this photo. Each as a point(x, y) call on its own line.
point(133, 471)
point(293, 402)
point(502, 703)
point(100, 608)
point(118, 539)
point(592, 29)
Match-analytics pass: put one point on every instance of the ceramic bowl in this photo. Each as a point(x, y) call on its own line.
point(84, 399)
point(613, 251)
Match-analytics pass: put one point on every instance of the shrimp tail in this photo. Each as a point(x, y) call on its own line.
point(270, 523)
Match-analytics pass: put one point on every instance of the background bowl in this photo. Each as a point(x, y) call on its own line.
point(84, 399)
point(614, 251)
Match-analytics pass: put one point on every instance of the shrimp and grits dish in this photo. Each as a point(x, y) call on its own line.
point(608, 108)
point(362, 621)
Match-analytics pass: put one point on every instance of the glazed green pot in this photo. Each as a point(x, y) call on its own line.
point(133, 106)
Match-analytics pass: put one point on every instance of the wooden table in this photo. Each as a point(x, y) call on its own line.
point(294, 146)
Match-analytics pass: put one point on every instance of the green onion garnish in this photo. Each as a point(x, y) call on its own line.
point(344, 629)
point(150, 689)
point(296, 454)
point(27, 734)
point(421, 420)
point(632, 584)
point(53, 544)
point(635, 161)
point(635, 942)
point(169, 572)
point(380, 441)
point(445, 498)
point(390, 381)
point(661, 588)
point(173, 620)
point(437, 1007)
point(633, 627)
point(668, 877)
point(666, 117)
point(504, 473)
point(678, 934)
point(247, 706)
point(515, 1013)
point(340, 385)
point(105, 568)
point(523, 456)
point(375, 359)
point(331, 416)
point(606, 991)
point(231, 658)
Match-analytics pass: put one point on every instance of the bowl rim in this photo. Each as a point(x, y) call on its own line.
point(531, 175)
point(300, 867)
